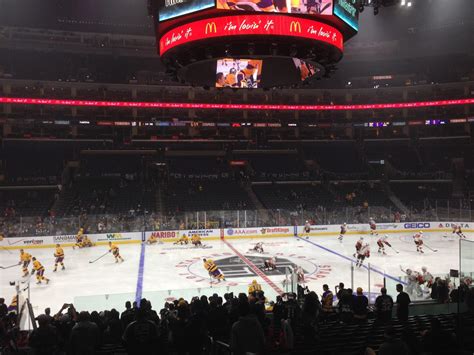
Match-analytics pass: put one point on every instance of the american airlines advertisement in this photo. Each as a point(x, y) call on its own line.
point(169, 9)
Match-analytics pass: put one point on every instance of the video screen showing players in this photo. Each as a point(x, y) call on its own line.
point(238, 73)
point(317, 7)
point(169, 9)
point(305, 69)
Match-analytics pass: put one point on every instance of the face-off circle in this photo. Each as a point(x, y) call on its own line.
point(234, 268)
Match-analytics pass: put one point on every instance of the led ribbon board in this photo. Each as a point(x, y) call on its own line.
point(251, 25)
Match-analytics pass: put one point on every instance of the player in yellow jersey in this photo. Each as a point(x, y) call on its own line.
point(79, 238)
point(153, 239)
point(212, 269)
point(59, 255)
point(254, 287)
point(25, 259)
point(183, 240)
point(115, 252)
point(196, 240)
point(86, 242)
point(39, 269)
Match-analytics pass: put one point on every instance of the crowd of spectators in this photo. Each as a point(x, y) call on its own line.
point(247, 323)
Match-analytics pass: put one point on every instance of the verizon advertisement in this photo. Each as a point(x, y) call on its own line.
point(251, 25)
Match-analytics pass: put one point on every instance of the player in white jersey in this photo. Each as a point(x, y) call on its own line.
point(382, 242)
point(427, 277)
point(413, 285)
point(457, 230)
point(358, 245)
point(364, 252)
point(300, 274)
point(258, 247)
point(307, 227)
point(270, 264)
point(418, 239)
point(373, 227)
point(343, 231)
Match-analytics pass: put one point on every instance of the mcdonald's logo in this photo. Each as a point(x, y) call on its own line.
point(295, 26)
point(210, 27)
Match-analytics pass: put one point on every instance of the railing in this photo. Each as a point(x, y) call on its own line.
point(137, 221)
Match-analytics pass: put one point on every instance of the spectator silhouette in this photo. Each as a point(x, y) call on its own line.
point(44, 340)
point(141, 336)
point(247, 334)
point(85, 338)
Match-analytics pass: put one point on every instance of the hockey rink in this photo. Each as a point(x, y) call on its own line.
point(166, 271)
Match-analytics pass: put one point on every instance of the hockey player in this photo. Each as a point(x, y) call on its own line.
point(39, 269)
point(343, 231)
point(254, 287)
point(300, 274)
point(25, 259)
point(382, 242)
point(427, 277)
point(270, 264)
point(457, 230)
point(183, 240)
point(59, 255)
point(152, 239)
point(86, 242)
point(213, 270)
point(364, 252)
point(196, 240)
point(373, 227)
point(114, 249)
point(79, 239)
point(307, 227)
point(358, 245)
point(413, 286)
point(418, 239)
point(258, 247)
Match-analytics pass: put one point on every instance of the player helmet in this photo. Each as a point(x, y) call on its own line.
point(421, 232)
point(386, 235)
point(424, 268)
point(345, 223)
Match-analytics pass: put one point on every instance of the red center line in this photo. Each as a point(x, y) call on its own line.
point(255, 268)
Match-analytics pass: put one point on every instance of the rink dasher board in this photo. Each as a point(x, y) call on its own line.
point(171, 236)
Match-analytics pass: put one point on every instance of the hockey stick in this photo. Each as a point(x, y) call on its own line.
point(395, 250)
point(434, 250)
point(8, 267)
point(100, 257)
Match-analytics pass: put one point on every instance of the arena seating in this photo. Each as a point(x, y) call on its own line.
point(336, 156)
point(189, 195)
point(421, 195)
point(26, 202)
point(400, 153)
point(293, 197)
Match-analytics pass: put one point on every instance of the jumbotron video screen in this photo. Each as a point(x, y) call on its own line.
point(193, 36)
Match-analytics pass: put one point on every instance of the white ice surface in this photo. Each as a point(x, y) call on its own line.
point(172, 271)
